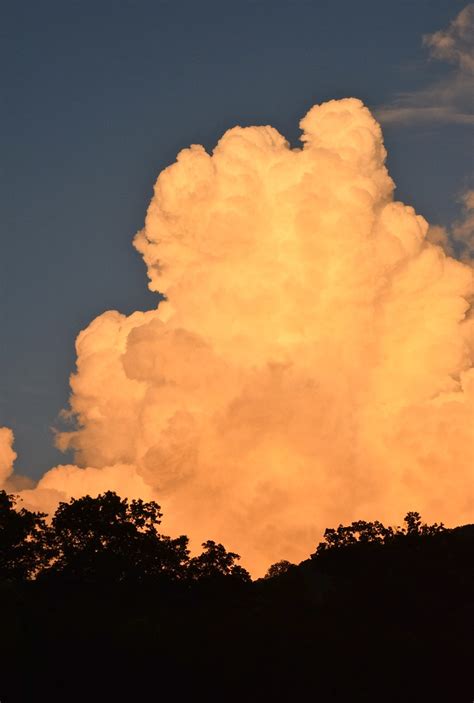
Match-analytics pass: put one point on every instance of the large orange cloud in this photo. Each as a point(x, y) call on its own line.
point(313, 362)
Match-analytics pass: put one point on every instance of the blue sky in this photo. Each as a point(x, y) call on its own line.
point(98, 97)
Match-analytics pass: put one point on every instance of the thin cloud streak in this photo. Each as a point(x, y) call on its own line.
point(411, 114)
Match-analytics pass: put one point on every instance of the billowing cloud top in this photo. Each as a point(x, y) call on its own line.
point(313, 360)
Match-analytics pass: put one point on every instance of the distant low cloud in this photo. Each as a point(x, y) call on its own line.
point(450, 100)
point(456, 44)
point(7, 455)
point(458, 240)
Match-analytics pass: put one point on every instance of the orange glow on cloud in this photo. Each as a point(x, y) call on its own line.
point(7, 455)
point(313, 362)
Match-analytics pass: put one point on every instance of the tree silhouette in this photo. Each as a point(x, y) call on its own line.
point(102, 586)
point(279, 568)
point(414, 526)
point(109, 538)
point(362, 532)
point(215, 562)
point(23, 547)
point(357, 532)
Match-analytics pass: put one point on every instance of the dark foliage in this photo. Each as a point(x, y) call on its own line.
point(215, 563)
point(374, 533)
point(279, 568)
point(99, 606)
point(109, 539)
point(23, 544)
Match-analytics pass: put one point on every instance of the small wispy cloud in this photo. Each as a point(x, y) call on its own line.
point(455, 44)
point(447, 100)
point(458, 240)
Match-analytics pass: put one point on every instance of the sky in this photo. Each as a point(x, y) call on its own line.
point(100, 96)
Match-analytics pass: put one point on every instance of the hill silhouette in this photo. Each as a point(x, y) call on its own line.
point(98, 605)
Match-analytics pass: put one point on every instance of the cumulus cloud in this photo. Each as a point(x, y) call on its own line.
point(451, 99)
point(7, 454)
point(313, 361)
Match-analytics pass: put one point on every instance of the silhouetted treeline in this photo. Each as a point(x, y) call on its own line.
point(98, 605)
point(105, 539)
